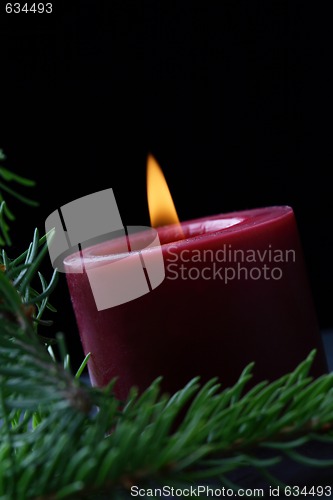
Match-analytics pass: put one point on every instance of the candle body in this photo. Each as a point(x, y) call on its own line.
point(235, 291)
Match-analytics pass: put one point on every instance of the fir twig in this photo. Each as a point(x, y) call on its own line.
point(22, 270)
point(6, 214)
point(62, 439)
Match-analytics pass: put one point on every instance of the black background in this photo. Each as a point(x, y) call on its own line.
point(232, 97)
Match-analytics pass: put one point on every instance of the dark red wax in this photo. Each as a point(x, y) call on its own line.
point(207, 327)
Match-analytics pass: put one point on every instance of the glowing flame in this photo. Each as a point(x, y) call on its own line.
point(161, 207)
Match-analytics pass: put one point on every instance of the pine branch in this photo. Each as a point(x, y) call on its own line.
point(62, 439)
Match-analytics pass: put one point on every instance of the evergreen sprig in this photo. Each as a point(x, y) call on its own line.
point(60, 438)
point(6, 215)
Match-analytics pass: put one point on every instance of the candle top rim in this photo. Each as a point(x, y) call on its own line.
point(239, 221)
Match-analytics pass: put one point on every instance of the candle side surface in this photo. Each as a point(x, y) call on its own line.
point(232, 294)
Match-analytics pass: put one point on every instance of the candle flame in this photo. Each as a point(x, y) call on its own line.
point(161, 207)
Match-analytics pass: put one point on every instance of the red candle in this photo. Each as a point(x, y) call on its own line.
point(235, 291)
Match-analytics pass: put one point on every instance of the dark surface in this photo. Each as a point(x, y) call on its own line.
point(233, 98)
point(291, 473)
point(327, 336)
point(288, 471)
